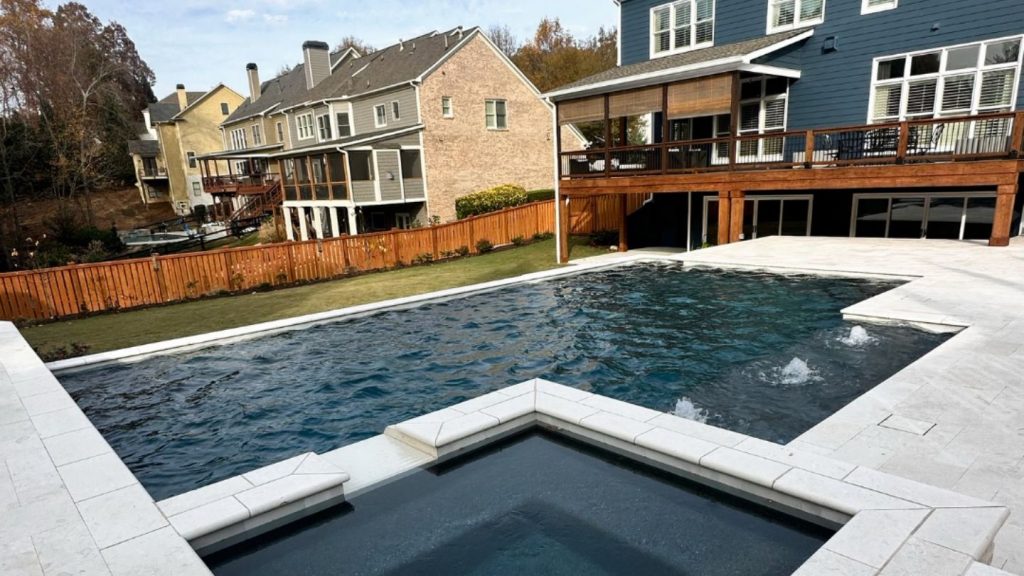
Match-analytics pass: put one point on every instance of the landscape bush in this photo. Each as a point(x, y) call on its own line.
point(484, 246)
point(541, 195)
point(497, 198)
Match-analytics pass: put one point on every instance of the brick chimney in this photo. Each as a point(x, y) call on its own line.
point(182, 97)
point(253, 72)
point(317, 59)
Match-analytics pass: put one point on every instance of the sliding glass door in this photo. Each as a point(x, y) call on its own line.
point(938, 215)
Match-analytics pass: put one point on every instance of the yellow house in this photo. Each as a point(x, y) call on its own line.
point(179, 129)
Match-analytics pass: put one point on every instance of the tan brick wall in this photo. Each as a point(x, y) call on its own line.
point(461, 155)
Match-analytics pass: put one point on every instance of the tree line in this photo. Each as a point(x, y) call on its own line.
point(71, 91)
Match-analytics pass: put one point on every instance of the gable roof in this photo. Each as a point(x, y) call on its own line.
point(167, 108)
point(192, 103)
point(656, 70)
point(273, 92)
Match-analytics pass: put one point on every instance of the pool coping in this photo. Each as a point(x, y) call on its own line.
point(885, 523)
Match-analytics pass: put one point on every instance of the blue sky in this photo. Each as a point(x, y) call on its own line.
point(203, 42)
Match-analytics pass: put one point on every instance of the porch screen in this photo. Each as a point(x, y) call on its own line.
point(635, 103)
point(582, 110)
point(700, 97)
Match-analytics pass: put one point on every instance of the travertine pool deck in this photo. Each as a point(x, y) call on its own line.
point(954, 419)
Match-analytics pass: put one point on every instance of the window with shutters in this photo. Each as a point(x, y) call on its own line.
point(763, 110)
point(681, 26)
point(789, 14)
point(955, 81)
point(872, 6)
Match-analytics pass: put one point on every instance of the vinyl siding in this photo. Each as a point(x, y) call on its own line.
point(293, 125)
point(363, 110)
point(387, 162)
point(363, 191)
point(834, 88)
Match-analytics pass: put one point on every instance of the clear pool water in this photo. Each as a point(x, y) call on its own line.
point(509, 512)
point(766, 355)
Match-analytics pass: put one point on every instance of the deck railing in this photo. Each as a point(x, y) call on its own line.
point(243, 185)
point(965, 138)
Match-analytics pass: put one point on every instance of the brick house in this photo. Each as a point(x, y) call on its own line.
point(351, 143)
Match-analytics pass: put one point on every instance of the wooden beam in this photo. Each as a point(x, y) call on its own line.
point(737, 199)
point(1003, 221)
point(607, 134)
point(1017, 143)
point(563, 230)
point(734, 118)
point(624, 225)
point(724, 217)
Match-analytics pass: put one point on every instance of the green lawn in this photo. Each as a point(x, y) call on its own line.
point(121, 330)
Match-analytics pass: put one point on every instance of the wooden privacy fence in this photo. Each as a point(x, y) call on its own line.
point(590, 215)
point(88, 288)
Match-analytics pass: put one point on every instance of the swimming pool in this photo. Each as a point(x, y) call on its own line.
point(765, 355)
point(506, 510)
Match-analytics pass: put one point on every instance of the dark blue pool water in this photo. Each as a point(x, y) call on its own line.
point(761, 354)
point(509, 512)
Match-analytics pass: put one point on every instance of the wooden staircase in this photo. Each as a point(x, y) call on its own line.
point(256, 207)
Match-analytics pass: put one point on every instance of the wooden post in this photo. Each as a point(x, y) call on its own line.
point(624, 226)
point(1017, 144)
point(159, 273)
point(724, 217)
point(734, 119)
point(738, 202)
point(901, 150)
point(563, 236)
point(433, 243)
point(607, 135)
point(809, 149)
point(665, 127)
point(558, 142)
point(1005, 200)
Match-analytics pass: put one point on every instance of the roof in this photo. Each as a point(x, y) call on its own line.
point(655, 67)
point(144, 147)
point(167, 108)
point(400, 63)
point(357, 140)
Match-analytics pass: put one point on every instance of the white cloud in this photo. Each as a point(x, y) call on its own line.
point(275, 18)
point(234, 16)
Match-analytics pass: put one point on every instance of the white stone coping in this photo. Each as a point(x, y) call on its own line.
point(233, 335)
point(890, 525)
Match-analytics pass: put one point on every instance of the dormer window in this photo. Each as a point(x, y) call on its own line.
point(682, 26)
point(789, 14)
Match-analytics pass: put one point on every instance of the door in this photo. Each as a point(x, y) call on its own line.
point(907, 217)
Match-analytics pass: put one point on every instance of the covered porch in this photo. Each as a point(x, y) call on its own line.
point(245, 184)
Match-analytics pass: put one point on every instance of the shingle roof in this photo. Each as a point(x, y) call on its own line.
point(396, 64)
point(668, 63)
point(167, 108)
point(360, 139)
point(144, 147)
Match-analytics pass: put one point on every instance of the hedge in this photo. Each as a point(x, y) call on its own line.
point(541, 195)
point(497, 198)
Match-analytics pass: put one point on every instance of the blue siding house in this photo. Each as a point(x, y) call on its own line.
point(747, 118)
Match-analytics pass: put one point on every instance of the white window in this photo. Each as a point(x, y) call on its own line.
point(238, 139)
point(304, 122)
point(870, 6)
point(344, 125)
point(197, 189)
point(323, 126)
point(380, 116)
point(396, 111)
point(954, 81)
point(280, 132)
point(447, 111)
point(789, 14)
point(192, 163)
point(257, 135)
point(763, 110)
point(682, 26)
point(497, 114)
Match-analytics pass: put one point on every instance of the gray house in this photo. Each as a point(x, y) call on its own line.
point(347, 143)
point(881, 118)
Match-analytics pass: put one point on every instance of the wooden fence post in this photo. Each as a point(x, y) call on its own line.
point(227, 269)
point(159, 274)
point(433, 243)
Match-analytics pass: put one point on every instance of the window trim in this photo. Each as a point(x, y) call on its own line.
point(337, 121)
point(280, 131)
point(396, 110)
point(225, 109)
point(257, 134)
point(191, 160)
point(942, 75)
point(797, 23)
point(672, 37)
point(239, 139)
point(197, 189)
point(304, 124)
point(763, 100)
point(487, 116)
point(450, 102)
point(868, 9)
point(324, 128)
point(377, 116)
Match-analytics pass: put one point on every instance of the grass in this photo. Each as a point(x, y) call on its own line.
point(125, 329)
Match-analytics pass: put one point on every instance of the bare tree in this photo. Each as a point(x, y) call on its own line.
point(363, 48)
point(504, 39)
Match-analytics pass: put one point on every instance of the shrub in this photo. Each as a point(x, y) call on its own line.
point(425, 258)
point(540, 195)
point(484, 246)
point(519, 241)
point(462, 251)
point(541, 236)
point(498, 198)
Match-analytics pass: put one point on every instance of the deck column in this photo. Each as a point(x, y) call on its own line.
point(353, 225)
point(287, 213)
point(563, 230)
point(1003, 221)
point(724, 217)
point(738, 202)
point(624, 226)
point(303, 227)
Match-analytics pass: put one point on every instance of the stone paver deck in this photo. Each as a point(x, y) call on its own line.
point(955, 418)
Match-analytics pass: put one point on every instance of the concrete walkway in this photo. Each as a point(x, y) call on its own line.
point(955, 418)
